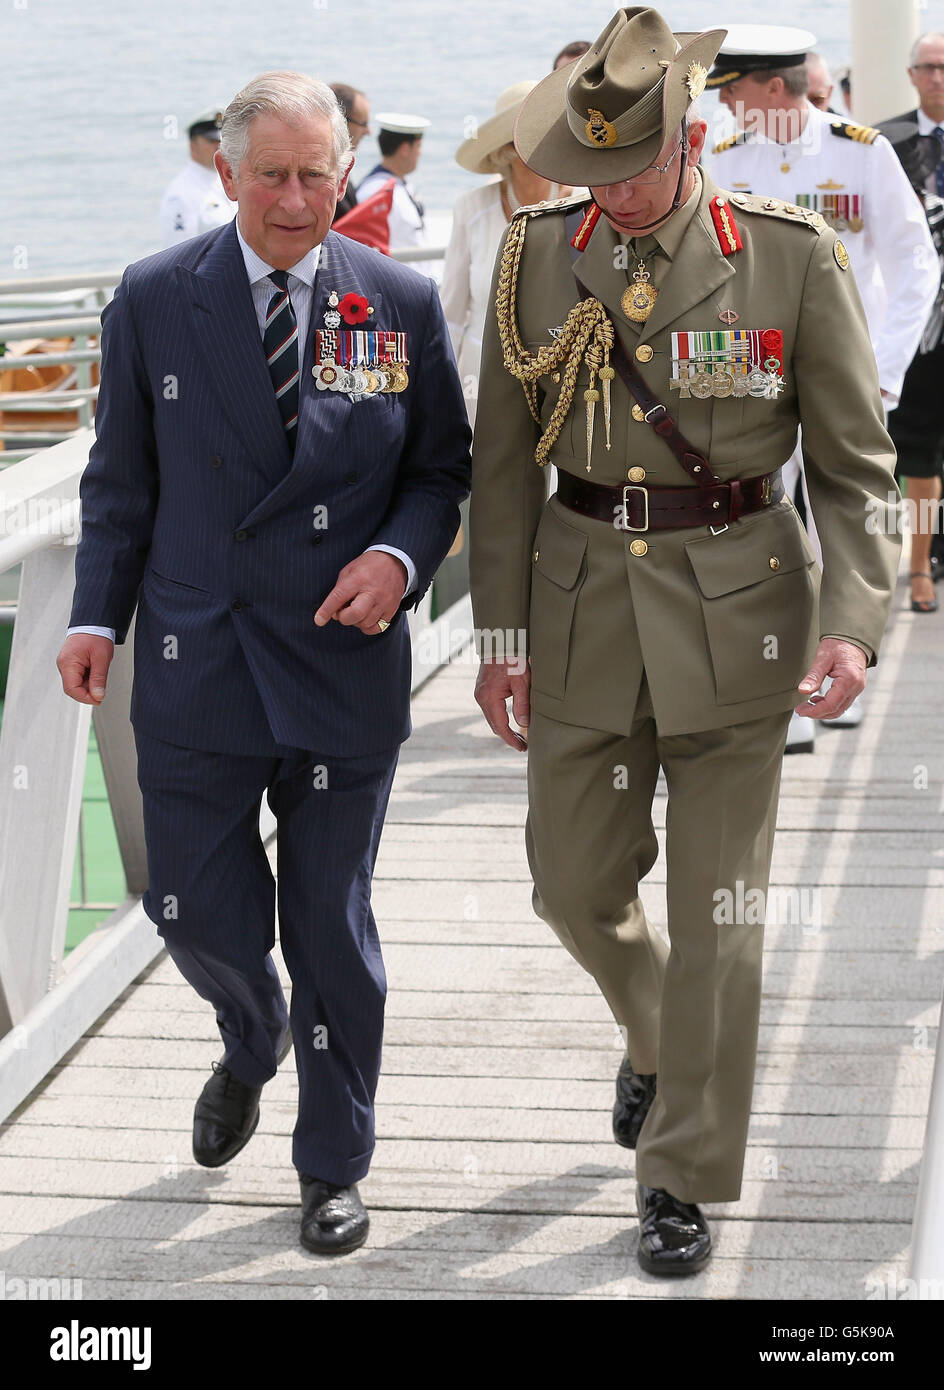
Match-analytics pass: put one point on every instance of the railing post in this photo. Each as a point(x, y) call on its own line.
point(43, 747)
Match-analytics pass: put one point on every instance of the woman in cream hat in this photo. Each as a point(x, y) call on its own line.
point(479, 219)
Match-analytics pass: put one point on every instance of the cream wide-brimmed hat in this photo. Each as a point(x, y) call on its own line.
point(606, 116)
point(475, 154)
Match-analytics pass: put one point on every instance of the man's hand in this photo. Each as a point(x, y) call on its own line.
point(846, 664)
point(496, 682)
point(83, 663)
point(370, 587)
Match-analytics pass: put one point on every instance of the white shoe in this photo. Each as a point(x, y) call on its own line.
point(800, 735)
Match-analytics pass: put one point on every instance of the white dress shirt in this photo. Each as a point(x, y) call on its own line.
point(301, 288)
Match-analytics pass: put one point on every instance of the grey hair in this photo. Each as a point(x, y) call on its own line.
point(916, 47)
point(292, 97)
point(795, 79)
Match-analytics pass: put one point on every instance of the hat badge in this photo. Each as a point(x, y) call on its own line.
point(601, 131)
point(695, 80)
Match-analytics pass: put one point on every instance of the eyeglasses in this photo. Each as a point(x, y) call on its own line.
point(655, 171)
point(927, 68)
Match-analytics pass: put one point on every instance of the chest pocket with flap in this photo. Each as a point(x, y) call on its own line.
point(557, 573)
point(759, 587)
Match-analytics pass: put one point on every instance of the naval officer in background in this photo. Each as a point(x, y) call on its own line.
point(195, 201)
point(666, 596)
point(848, 173)
point(400, 138)
point(272, 485)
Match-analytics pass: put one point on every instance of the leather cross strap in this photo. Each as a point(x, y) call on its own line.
point(656, 415)
point(631, 507)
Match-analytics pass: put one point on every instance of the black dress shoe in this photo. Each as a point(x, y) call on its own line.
point(333, 1218)
point(673, 1235)
point(634, 1095)
point(227, 1113)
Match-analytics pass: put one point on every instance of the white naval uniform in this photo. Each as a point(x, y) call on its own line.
point(195, 202)
point(896, 268)
point(405, 220)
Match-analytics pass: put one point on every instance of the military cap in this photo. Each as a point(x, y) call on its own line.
point(759, 48)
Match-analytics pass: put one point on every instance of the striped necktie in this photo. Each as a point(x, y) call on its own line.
point(280, 342)
point(939, 172)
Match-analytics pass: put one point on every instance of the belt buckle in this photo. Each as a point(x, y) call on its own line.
point(634, 487)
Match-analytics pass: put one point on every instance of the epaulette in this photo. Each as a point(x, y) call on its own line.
point(732, 140)
point(865, 134)
point(776, 207)
point(552, 205)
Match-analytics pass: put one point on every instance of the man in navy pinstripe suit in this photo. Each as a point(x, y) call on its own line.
point(271, 520)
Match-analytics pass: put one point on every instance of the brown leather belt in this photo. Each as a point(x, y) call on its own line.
point(636, 508)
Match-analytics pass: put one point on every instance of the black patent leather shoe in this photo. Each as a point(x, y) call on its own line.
point(333, 1218)
point(634, 1095)
point(673, 1236)
point(227, 1113)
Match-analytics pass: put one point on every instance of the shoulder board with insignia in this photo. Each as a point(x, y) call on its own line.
point(553, 205)
point(865, 134)
point(732, 140)
point(776, 207)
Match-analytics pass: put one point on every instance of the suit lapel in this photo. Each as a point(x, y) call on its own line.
point(322, 415)
point(227, 333)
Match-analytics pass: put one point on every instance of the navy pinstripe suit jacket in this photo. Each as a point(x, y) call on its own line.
point(190, 451)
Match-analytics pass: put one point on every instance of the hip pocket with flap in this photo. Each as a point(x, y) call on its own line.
point(558, 570)
point(759, 586)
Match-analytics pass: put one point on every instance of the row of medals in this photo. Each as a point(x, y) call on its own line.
point(762, 384)
point(637, 303)
point(361, 381)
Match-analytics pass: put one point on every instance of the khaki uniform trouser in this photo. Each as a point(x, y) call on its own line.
point(690, 1013)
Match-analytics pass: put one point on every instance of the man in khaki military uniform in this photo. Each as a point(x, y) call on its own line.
point(666, 595)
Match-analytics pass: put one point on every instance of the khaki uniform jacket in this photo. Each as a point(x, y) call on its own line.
point(725, 625)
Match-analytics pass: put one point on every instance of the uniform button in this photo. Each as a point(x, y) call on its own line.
point(216, 461)
point(240, 535)
point(644, 353)
point(639, 547)
point(534, 557)
point(774, 562)
point(639, 414)
point(317, 538)
point(636, 475)
point(238, 605)
point(350, 478)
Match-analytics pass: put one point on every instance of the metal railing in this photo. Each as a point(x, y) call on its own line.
point(48, 1000)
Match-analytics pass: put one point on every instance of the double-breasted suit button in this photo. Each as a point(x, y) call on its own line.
point(644, 353)
point(639, 547)
point(636, 475)
point(317, 538)
point(241, 535)
point(216, 461)
point(238, 604)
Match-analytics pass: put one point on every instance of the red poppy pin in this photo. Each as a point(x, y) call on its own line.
point(354, 308)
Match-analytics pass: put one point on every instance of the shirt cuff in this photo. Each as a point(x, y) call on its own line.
point(93, 631)
point(407, 563)
point(841, 637)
